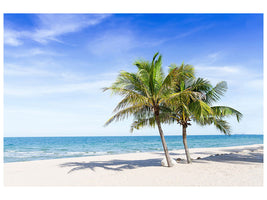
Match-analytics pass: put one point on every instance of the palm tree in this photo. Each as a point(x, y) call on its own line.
point(145, 91)
point(199, 109)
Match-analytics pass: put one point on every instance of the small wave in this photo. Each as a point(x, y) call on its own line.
point(75, 153)
point(10, 151)
point(44, 149)
point(22, 154)
point(101, 153)
point(50, 153)
point(111, 152)
point(63, 149)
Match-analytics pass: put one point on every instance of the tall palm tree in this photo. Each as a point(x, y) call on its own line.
point(200, 109)
point(145, 91)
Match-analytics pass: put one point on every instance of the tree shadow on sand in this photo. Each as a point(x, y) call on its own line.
point(235, 158)
point(241, 155)
point(115, 165)
point(232, 156)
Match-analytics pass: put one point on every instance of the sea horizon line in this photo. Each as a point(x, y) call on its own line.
point(130, 135)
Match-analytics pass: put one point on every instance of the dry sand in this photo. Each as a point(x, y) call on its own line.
point(225, 166)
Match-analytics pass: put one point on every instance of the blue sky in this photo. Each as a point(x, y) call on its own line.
point(56, 64)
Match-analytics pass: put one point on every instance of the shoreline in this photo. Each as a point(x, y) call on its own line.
point(158, 151)
point(220, 166)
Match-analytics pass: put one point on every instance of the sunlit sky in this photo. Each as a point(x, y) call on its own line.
point(56, 64)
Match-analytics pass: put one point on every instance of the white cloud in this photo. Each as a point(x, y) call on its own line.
point(219, 69)
point(40, 70)
point(18, 70)
point(54, 25)
point(51, 26)
point(87, 87)
point(123, 40)
point(255, 84)
point(158, 41)
point(30, 52)
point(27, 71)
point(241, 81)
point(192, 31)
point(12, 37)
point(214, 55)
point(236, 75)
point(47, 121)
point(113, 42)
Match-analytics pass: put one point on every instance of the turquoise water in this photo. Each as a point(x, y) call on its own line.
point(17, 149)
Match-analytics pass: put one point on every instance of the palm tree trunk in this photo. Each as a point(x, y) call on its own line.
point(185, 145)
point(163, 142)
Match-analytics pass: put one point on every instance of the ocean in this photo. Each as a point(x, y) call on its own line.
point(18, 149)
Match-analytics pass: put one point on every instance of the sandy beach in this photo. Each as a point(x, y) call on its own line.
point(224, 166)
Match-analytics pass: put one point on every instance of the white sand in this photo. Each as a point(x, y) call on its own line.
point(227, 166)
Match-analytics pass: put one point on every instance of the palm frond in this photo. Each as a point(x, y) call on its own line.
point(184, 72)
point(222, 126)
point(124, 113)
point(141, 121)
point(216, 92)
point(199, 84)
point(168, 83)
point(180, 97)
point(131, 99)
point(200, 110)
point(224, 111)
point(219, 123)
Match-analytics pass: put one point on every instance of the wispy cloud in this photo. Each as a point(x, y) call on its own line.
point(178, 36)
point(22, 70)
point(87, 87)
point(12, 37)
point(123, 40)
point(37, 70)
point(219, 69)
point(193, 30)
point(59, 81)
point(239, 78)
point(214, 57)
point(30, 53)
point(113, 42)
point(52, 26)
point(209, 58)
point(207, 67)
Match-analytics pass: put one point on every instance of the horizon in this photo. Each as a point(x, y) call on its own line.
point(56, 64)
point(138, 135)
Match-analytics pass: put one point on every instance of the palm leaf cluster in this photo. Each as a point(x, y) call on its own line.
point(195, 105)
point(145, 91)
